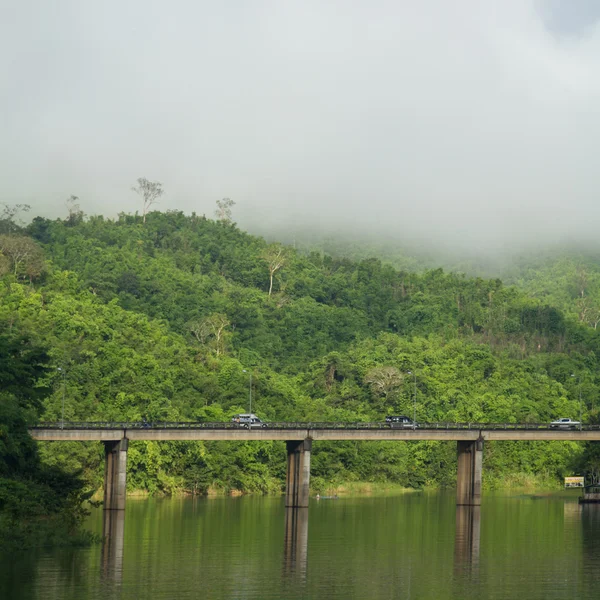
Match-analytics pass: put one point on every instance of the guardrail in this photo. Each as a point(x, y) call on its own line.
point(309, 425)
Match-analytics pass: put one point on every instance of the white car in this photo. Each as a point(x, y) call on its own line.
point(565, 424)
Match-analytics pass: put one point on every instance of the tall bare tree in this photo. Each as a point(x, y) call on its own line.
point(223, 212)
point(149, 192)
point(275, 255)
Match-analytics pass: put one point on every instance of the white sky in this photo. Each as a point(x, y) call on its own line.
point(472, 122)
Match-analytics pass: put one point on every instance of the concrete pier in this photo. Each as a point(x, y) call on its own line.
point(115, 474)
point(468, 477)
point(298, 473)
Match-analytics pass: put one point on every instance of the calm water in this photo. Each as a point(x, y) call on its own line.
point(412, 546)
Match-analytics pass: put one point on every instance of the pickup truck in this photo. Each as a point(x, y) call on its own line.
point(565, 424)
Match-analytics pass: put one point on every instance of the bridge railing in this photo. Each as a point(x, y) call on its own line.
point(298, 425)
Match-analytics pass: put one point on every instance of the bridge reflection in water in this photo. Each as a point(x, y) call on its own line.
point(295, 549)
point(113, 532)
point(466, 540)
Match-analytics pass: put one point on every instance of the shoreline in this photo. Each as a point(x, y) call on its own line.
point(521, 483)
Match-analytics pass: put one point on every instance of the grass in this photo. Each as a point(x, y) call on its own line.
point(357, 488)
point(521, 481)
point(510, 482)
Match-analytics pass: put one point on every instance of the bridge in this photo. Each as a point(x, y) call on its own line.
point(470, 439)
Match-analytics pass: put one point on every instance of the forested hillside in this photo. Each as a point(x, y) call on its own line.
point(166, 319)
point(39, 504)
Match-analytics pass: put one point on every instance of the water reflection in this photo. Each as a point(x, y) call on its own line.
point(376, 548)
point(590, 524)
point(113, 531)
point(295, 550)
point(572, 513)
point(466, 539)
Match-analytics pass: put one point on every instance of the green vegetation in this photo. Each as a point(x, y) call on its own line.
point(39, 504)
point(163, 317)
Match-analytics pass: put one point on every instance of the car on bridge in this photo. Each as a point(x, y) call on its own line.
point(400, 421)
point(565, 424)
point(248, 420)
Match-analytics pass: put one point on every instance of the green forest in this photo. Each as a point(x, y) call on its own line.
point(165, 317)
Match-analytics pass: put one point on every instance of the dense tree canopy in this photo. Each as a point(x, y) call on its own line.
point(39, 503)
point(165, 319)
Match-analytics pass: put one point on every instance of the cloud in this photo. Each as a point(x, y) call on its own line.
point(469, 122)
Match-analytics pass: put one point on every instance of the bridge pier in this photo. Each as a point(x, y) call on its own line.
point(115, 474)
point(468, 480)
point(298, 473)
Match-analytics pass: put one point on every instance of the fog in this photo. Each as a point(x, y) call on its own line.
point(471, 124)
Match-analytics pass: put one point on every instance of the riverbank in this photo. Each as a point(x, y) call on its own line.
point(524, 482)
point(59, 531)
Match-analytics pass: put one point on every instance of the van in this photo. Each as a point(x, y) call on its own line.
point(248, 420)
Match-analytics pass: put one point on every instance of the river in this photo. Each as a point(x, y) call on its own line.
point(416, 545)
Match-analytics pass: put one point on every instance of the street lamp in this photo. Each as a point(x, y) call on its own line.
point(62, 417)
point(414, 398)
point(249, 389)
point(580, 413)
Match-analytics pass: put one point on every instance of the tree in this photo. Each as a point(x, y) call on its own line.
point(23, 254)
point(384, 380)
point(8, 222)
point(213, 326)
point(150, 192)
point(223, 212)
point(5, 265)
point(76, 215)
point(22, 366)
point(588, 311)
point(275, 256)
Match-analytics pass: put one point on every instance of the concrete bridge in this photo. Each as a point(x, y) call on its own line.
point(469, 438)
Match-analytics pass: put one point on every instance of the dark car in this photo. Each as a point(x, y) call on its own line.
point(400, 421)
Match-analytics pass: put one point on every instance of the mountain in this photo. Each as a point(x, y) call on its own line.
point(165, 320)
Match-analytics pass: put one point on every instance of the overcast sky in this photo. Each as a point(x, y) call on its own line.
point(470, 121)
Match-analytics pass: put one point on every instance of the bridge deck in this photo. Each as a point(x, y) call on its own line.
point(316, 431)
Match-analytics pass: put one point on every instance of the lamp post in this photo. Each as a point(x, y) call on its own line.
point(414, 397)
point(249, 389)
point(580, 411)
point(62, 414)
